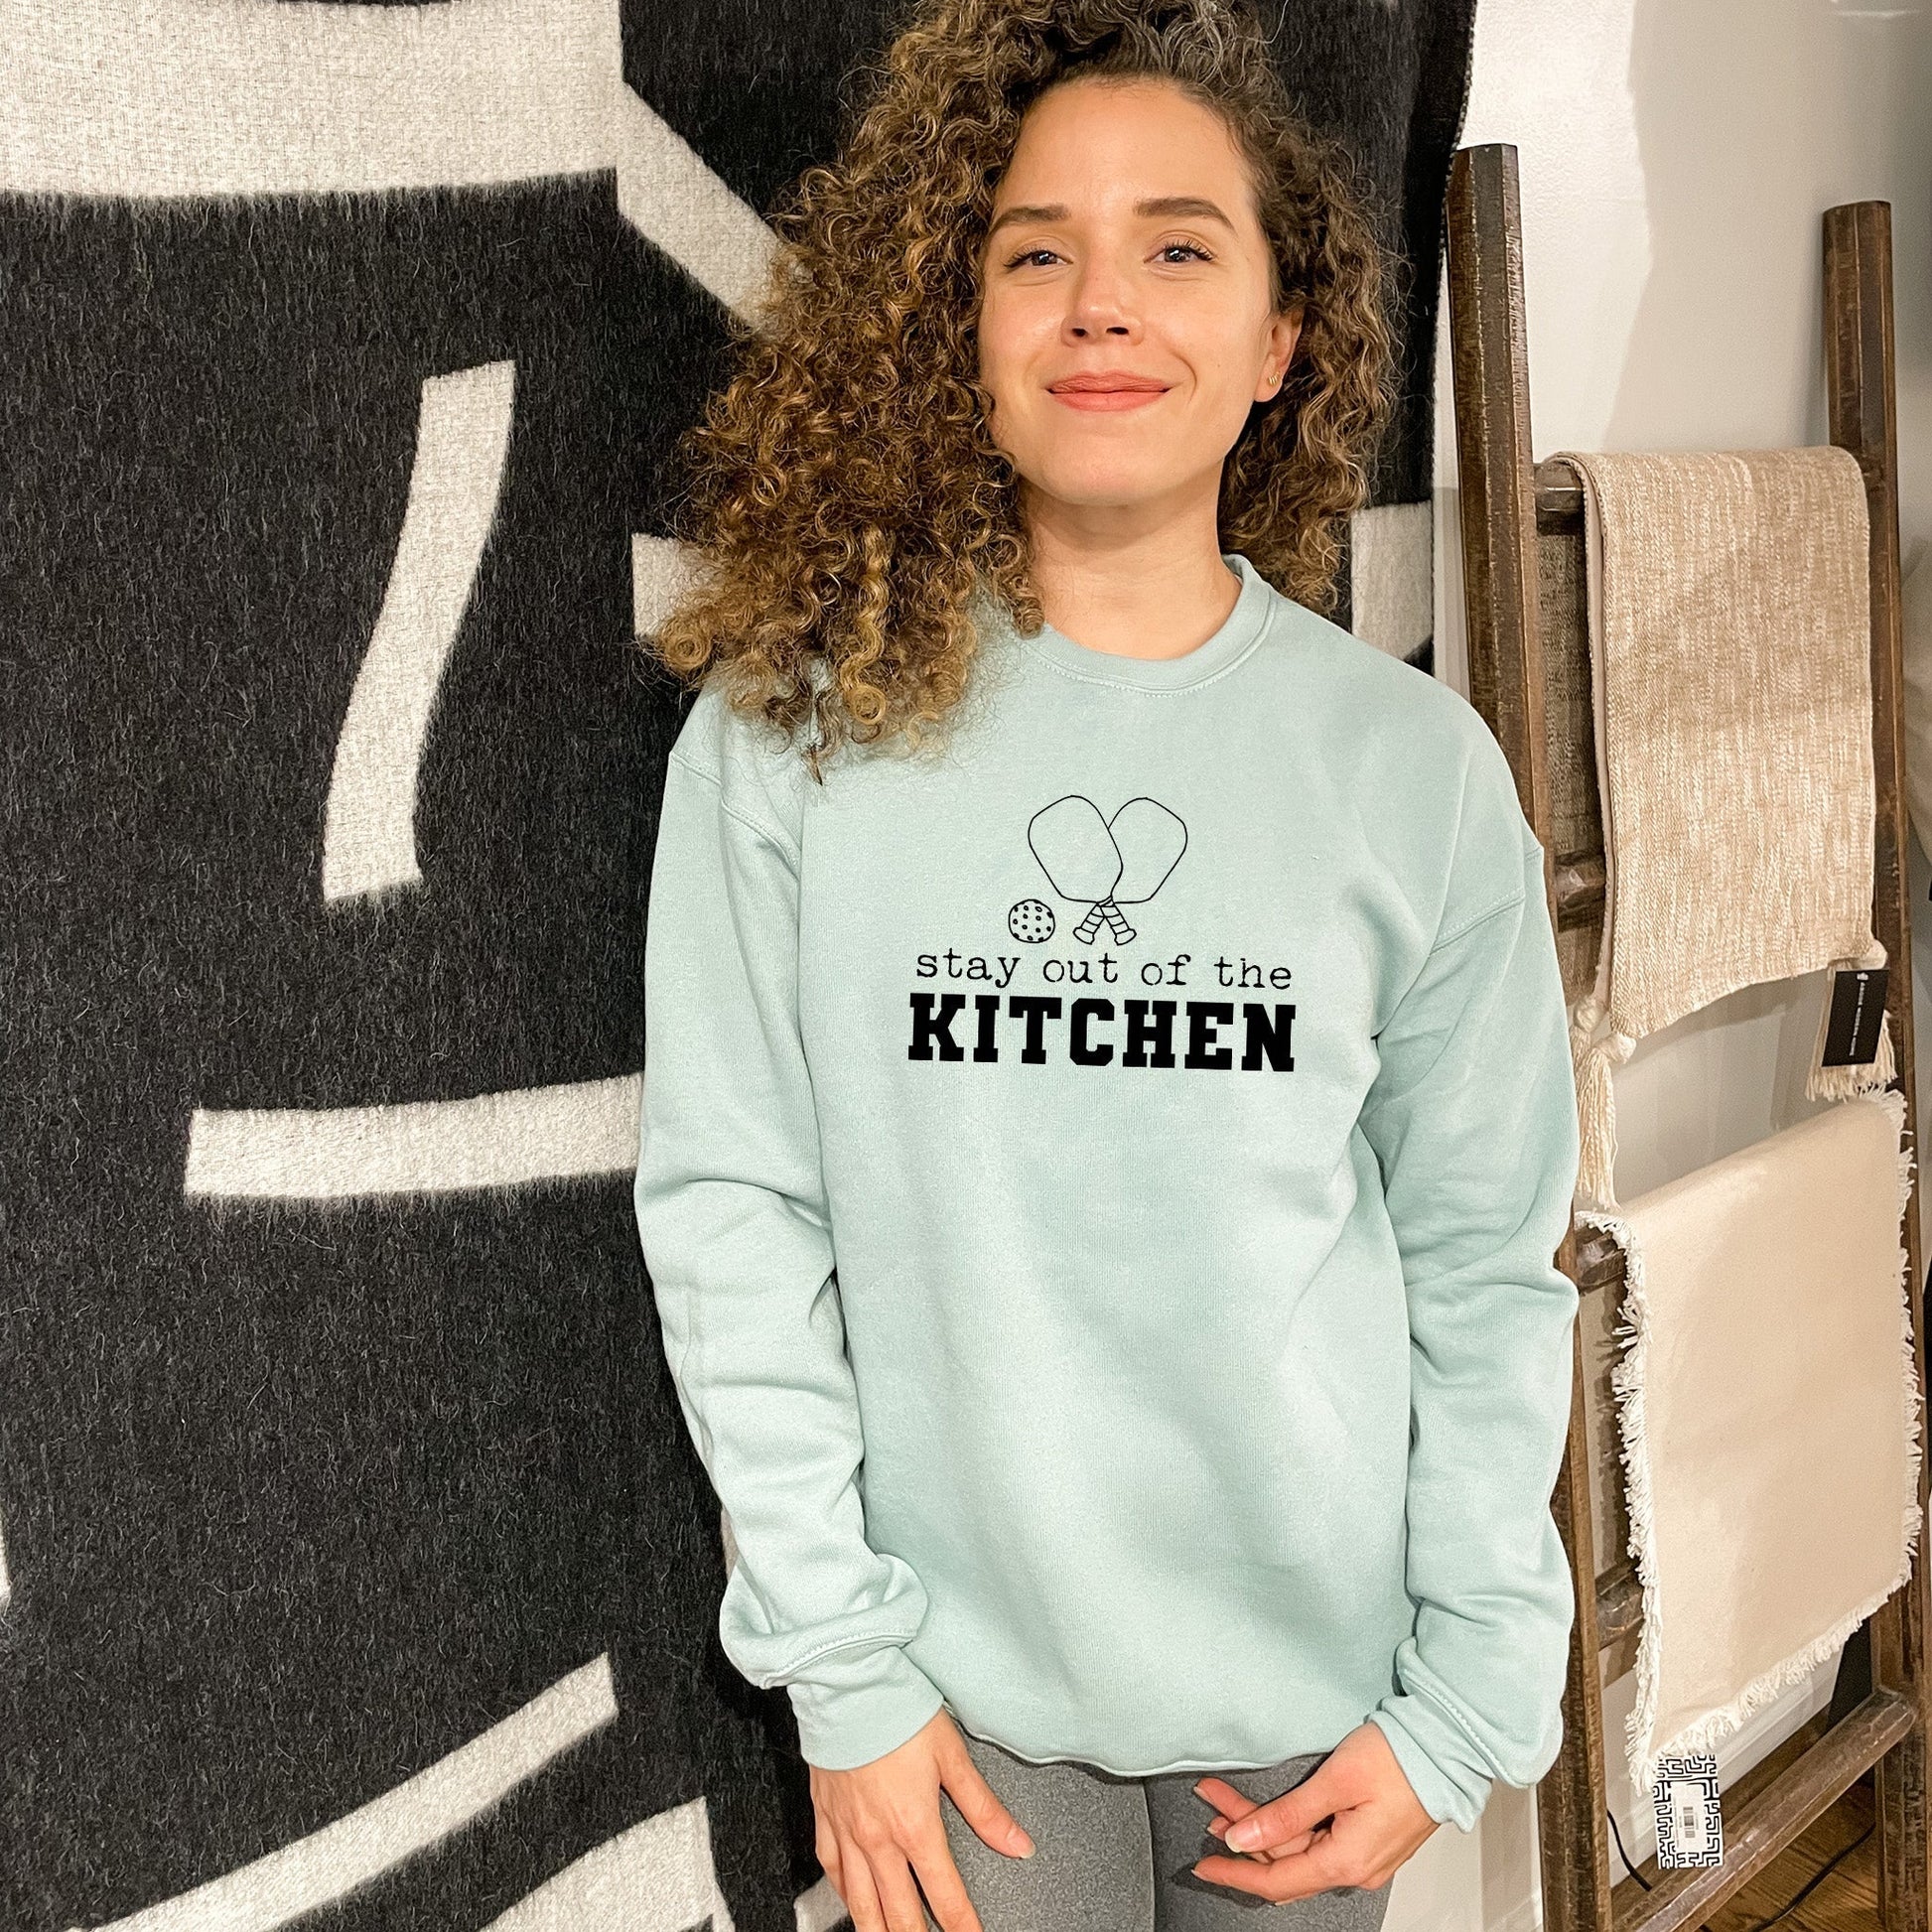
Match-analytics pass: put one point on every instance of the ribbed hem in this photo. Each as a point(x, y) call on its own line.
point(1423, 1742)
point(860, 1704)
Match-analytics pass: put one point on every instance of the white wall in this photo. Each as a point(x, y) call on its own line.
point(1675, 158)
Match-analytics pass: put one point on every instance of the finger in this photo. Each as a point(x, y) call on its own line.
point(899, 1897)
point(1319, 1869)
point(1293, 1848)
point(979, 1804)
point(1281, 1819)
point(825, 1843)
point(1234, 1803)
point(1225, 1799)
point(1219, 1826)
point(860, 1894)
point(828, 1860)
point(945, 1891)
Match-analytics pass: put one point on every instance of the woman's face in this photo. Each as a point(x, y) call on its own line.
point(1126, 321)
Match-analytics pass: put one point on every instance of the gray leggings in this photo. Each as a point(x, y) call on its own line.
point(1112, 1853)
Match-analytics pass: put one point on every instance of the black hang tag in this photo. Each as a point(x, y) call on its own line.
point(1858, 1005)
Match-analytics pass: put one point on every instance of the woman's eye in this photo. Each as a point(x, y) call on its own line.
point(1170, 251)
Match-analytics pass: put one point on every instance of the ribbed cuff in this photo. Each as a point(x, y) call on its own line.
point(1433, 1755)
point(859, 1704)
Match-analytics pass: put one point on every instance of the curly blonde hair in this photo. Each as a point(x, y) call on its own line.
point(846, 499)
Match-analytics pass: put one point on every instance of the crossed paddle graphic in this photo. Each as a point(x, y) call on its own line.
point(1106, 862)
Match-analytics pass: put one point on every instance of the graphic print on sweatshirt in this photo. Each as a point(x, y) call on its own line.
point(1101, 864)
point(1102, 860)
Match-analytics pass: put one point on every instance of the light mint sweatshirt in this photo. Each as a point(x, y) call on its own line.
point(1101, 1177)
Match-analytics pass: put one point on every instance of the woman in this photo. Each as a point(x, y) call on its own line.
point(1108, 1116)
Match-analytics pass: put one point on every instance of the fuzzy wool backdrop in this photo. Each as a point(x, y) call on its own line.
point(355, 1567)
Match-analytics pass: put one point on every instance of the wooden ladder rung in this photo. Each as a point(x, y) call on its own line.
point(1559, 500)
point(1600, 1261)
point(1771, 1820)
point(1580, 889)
point(1619, 1603)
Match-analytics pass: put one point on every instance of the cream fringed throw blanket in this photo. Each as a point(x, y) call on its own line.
point(1768, 1406)
point(1730, 674)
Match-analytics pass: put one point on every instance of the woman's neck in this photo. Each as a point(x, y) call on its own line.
point(1146, 595)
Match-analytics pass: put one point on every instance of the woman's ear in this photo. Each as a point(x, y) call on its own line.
point(1288, 332)
point(1283, 334)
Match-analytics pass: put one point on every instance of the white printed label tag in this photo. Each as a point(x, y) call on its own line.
point(1690, 1816)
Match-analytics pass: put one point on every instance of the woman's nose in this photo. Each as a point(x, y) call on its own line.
point(1101, 306)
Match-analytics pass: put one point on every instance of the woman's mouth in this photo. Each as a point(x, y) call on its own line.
point(1107, 390)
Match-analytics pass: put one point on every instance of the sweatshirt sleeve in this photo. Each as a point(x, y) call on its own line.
point(732, 1219)
point(1473, 1115)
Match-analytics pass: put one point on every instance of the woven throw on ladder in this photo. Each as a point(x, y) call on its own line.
point(1730, 630)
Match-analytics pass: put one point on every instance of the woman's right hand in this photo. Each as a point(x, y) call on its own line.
point(879, 1823)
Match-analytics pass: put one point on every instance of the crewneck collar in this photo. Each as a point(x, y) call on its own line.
point(1238, 634)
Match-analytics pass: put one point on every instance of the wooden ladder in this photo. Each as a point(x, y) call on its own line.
point(1508, 506)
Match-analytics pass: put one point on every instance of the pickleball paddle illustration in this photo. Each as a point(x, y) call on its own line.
point(1106, 863)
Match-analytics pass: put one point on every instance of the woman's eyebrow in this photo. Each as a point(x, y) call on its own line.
point(1161, 205)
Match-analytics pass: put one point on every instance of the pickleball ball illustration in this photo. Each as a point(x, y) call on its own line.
point(1031, 919)
point(1106, 863)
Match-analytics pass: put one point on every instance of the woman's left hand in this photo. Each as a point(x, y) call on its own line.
point(1354, 1819)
